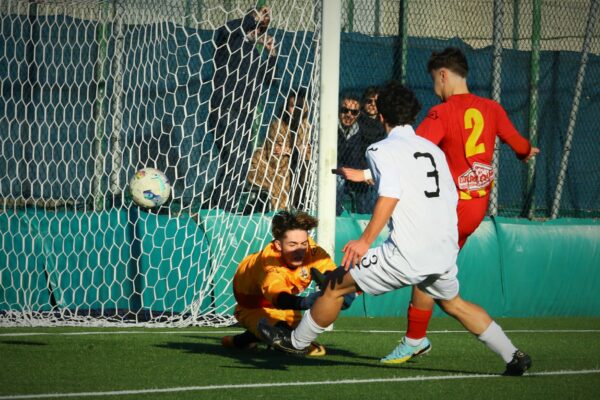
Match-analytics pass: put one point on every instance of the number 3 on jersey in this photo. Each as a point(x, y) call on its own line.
point(430, 174)
point(474, 121)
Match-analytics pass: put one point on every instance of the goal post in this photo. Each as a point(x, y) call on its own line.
point(94, 90)
point(330, 77)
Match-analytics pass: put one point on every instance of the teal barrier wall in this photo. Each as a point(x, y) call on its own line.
point(36, 246)
point(167, 242)
point(550, 268)
point(514, 267)
point(66, 259)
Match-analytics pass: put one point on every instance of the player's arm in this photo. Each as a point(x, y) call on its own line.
point(509, 135)
point(532, 153)
point(355, 175)
point(354, 250)
point(278, 292)
point(288, 301)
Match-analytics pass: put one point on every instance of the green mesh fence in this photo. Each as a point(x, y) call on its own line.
point(540, 60)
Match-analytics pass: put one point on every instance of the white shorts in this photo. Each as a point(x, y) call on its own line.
point(382, 270)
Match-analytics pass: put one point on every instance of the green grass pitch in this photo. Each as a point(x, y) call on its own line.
point(189, 363)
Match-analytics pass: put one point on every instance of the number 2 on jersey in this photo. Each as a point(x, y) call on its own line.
point(474, 121)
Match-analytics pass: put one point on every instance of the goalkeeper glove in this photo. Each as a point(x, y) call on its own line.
point(330, 278)
point(321, 280)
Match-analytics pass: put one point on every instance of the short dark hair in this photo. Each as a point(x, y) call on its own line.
point(285, 221)
point(369, 93)
point(349, 96)
point(398, 104)
point(451, 58)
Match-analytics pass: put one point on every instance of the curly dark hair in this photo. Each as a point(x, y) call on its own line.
point(398, 104)
point(451, 58)
point(285, 221)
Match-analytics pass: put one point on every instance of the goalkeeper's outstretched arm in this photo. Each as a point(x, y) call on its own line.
point(288, 301)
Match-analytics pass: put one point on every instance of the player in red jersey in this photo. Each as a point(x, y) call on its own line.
point(465, 127)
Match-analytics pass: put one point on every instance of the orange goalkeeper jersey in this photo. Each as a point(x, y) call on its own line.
point(465, 127)
point(262, 276)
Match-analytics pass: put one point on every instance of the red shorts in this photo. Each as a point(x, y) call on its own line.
point(470, 214)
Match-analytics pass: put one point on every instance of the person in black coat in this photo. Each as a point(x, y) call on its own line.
point(356, 132)
point(244, 65)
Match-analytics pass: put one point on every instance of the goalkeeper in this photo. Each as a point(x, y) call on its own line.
point(267, 284)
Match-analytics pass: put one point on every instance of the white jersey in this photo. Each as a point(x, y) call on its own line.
point(424, 224)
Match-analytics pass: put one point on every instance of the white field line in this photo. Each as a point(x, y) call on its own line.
point(234, 331)
point(289, 384)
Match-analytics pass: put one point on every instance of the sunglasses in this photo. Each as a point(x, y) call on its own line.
point(345, 110)
point(370, 101)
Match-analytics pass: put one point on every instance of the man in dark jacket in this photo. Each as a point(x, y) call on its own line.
point(355, 133)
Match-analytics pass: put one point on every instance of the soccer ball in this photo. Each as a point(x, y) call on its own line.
point(150, 188)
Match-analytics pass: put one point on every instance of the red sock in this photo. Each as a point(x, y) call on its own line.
point(418, 320)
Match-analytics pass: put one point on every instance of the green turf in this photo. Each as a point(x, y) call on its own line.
point(187, 357)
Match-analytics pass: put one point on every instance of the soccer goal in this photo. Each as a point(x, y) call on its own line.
point(221, 96)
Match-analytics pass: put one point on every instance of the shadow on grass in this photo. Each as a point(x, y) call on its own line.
point(263, 357)
point(269, 359)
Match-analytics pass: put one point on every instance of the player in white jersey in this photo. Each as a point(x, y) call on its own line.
point(417, 198)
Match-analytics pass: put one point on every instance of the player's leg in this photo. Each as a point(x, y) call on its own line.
point(470, 214)
point(477, 321)
point(415, 342)
point(383, 270)
point(327, 307)
point(445, 289)
point(243, 341)
point(249, 319)
point(247, 339)
point(325, 311)
point(419, 314)
point(315, 349)
point(474, 318)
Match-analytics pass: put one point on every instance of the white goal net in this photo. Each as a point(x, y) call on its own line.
point(222, 96)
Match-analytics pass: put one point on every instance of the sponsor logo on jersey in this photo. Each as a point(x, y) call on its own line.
point(304, 273)
point(433, 115)
point(480, 176)
point(372, 149)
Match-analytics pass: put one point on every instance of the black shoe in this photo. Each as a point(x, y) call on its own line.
point(243, 341)
point(520, 363)
point(280, 338)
